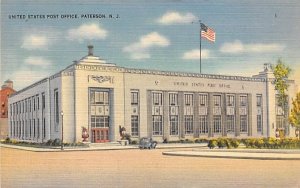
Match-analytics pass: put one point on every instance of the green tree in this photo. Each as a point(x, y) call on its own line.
point(294, 117)
point(281, 74)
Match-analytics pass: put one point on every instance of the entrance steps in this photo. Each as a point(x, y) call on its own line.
point(104, 144)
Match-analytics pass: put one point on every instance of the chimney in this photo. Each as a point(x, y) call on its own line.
point(91, 49)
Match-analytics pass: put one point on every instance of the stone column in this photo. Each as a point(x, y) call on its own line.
point(249, 114)
point(166, 127)
point(181, 115)
point(237, 116)
point(196, 115)
point(223, 114)
point(210, 115)
point(149, 113)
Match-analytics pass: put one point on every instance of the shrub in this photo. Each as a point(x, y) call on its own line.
point(56, 142)
point(235, 143)
point(134, 142)
point(7, 140)
point(212, 143)
point(221, 142)
point(259, 143)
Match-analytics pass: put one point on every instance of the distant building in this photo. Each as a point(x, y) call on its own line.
point(6, 91)
point(107, 99)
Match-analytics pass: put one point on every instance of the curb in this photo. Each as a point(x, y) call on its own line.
point(231, 156)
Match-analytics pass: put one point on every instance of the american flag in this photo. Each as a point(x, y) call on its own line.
point(208, 33)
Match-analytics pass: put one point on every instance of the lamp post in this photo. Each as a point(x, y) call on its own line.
point(62, 130)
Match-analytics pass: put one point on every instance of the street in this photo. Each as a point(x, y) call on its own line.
point(140, 168)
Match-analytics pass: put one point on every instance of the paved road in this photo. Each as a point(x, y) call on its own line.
point(140, 168)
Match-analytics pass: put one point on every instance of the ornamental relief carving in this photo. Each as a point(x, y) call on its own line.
point(101, 79)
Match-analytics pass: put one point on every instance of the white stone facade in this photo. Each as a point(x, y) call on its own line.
point(103, 97)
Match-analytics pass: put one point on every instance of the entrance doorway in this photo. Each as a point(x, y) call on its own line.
point(100, 135)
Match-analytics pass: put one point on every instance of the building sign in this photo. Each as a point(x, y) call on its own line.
point(200, 84)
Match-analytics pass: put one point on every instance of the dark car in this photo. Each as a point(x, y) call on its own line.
point(147, 143)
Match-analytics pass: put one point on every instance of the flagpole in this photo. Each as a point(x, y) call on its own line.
point(200, 45)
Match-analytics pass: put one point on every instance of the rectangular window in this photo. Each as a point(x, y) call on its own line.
point(280, 122)
point(99, 97)
point(34, 128)
point(134, 97)
point(243, 100)
point(203, 99)
point(43, 101)
point(230, 123)
point(188, 124)
point(173, 99)
point(157, 99)
point(173, 125)
point(30, 128)
point(217, 100)
point(217, 124)
point(244, 124)
point(188, 99)
point(44, 128)
point(203, 124)
point(38, 128)
point(134, 125)
point(29, 105)
point(229, 100)
point(259, 123)
point(33, 98)
point(157, 125)
point(258, 100)
point(99, 121)
point(56, 108)
point(38, 102)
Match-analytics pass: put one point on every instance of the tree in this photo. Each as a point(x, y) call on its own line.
point(281, 74)
point(294, 117)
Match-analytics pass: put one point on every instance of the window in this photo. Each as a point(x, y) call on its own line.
point(203, 124)
point(230, 100)
point(43, 101)
point(38, 128)
point(217, 124)
point(34, 128)
point(244, 124)
point(259, 123)
point(157, 125)
point(230, 123)
point(38, 102)
point(56, 108)
point(217, 100)
point(99, 97)
point(173, 99)
point(280, 122)
point(243, 100)
point(258, 100)
point(44, 128)
point(173, 125)
point(203, 99)
point(99, 121)
point(188, 99)
point(188, 124)
point(157, 99)
point(134, 125)
point(29, 105)
point(30, 128)
point(26, 107)
point(134, 98)
point(33, 98)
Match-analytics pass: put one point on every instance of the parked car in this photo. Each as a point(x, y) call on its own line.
point(147, 143)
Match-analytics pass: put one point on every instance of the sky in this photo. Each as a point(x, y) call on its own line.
point(40, 38)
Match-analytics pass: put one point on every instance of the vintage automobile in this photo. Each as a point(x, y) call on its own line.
point(147, 143)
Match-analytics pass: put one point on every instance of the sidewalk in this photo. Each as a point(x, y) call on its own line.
point(100, 146)
point(259, 154)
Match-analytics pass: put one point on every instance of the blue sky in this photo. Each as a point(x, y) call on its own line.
point(156, 35)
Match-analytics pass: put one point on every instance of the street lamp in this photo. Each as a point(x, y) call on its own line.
point(62, 130)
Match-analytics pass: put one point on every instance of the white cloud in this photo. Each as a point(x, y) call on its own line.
point(195, 54)
point(25, 77)
point(92, 31)
point(37, 60)
point(238, 47)
point(33, 42)
point(140, 49)
point(170, 18)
